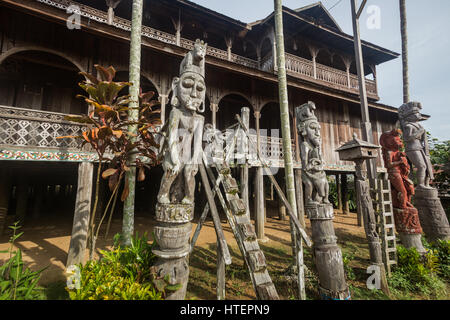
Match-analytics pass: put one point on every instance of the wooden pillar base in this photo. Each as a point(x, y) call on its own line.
point(81, 217)
point(172, 234)
point(432, 215)
point(327, 254)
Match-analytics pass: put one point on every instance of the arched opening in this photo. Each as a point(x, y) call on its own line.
point(245, 49)
point(338, 63)
point(229, 106)
point(299, 48)
point(41, 81)
point(324, 58)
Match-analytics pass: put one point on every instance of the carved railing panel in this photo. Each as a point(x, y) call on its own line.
point(34, 128)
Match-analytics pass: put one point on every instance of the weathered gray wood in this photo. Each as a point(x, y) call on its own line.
point(338, 178)
point(78, 239)
point(245, 114)
point(259, 203)
point(299, 197)
point(278, 189)
point(215, 215)
point(220, 271)
point(345, 195)
point(366, 126)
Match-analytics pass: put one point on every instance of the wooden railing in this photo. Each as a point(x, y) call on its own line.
point(295, 66)
point(35, 128)
point(303, 68)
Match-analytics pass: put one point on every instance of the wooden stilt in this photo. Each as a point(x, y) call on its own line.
point(345, 195)
point(358, 210)
point(339, 191)
point(81, 216)
point(260, 208)
point(299, 196)
point(281, 207)
point(220, 273)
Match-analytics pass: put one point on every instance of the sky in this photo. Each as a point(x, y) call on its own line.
point(428, 45)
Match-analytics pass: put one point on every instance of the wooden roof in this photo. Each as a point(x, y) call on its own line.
point(307, 21)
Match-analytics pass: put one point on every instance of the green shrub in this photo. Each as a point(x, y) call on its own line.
point(123, 273)
point(441, 250)
point(346, 258)
point(17, 282)
point(417, 274)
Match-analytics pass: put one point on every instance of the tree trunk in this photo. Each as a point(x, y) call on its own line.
point(285, 126)
point(133, 115)
point(404, 34)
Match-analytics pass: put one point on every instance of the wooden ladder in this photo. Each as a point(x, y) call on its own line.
point(243, 231)
point(385, 221)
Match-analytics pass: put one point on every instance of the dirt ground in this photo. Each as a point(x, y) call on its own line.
point(45, 242)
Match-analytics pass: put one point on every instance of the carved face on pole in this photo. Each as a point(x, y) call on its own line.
point(189, 91)
point(312, 133)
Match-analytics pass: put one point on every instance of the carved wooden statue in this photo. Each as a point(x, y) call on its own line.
point(327, 254)
point(182, 153)
point(406, 216)
point(313, 175)
point(432, 216)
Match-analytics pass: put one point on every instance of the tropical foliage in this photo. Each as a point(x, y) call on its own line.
point(17, 282)
point(123, 273)
point(107, 132)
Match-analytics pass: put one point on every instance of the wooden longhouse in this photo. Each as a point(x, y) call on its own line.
point(41, 57)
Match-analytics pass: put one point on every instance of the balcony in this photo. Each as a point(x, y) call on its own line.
point(295, 66)
point(304, 69)
point(27, 134)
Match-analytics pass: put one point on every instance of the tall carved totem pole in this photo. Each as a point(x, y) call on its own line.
point(406, 216)
point(182, 151)
point(327, 254)
point(432, 216)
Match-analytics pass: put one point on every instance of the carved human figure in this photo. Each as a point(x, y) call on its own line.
point(415, 138)
point(185, 131)
point(398, 168)
point(365, 201)
point(313, 174)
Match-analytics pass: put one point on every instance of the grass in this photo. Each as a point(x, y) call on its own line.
point(203, 281)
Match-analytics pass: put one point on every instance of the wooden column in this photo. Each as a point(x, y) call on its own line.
point(259, 190)
point(358, 209)
point(229, 43)
point(339, 191)
point(163, 101)
point(245, 115)
point(5, 192)
point(81, 216)
point(220, 273)
point(281, 207)
point(214, 109)
point(21, 199)
point(345, 195)
point(298, 179)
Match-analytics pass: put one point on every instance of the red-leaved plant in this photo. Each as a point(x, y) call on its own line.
point(108, 133)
